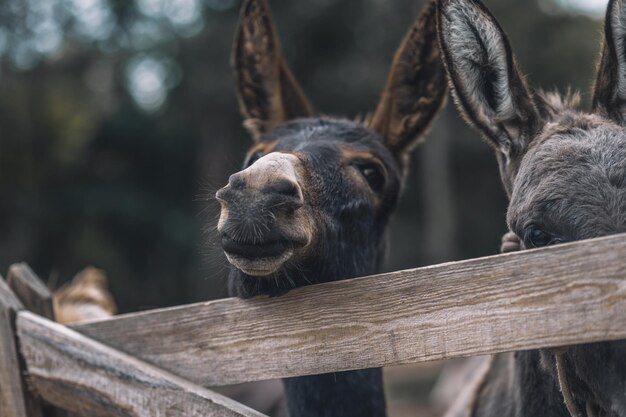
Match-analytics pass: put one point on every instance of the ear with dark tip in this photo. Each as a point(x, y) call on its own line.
point(489, 89)
point(267, 91)
point(416, 88)
point(609, 98)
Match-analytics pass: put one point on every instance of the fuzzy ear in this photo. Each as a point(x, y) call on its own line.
point(416, 88)
point(609, 98)
point(267, 91)
point(489, 90)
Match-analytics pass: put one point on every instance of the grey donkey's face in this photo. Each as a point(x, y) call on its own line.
point(563, 169)
point(571, 183)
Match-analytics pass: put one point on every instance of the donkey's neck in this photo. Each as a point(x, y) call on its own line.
point(537, 383)
point(525, 384)
point(340, 394)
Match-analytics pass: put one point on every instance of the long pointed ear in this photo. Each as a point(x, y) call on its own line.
point(416, 88)
point(267, 91)
point(609, 98)
point(488, 88)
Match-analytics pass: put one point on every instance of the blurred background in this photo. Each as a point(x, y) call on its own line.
point(118, 121)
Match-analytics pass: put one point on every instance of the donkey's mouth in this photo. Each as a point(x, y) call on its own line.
point(268, 249)
point(259, 267)
point(258, 259)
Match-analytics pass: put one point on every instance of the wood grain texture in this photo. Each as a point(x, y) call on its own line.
point(567, 294)
point(36, 297)
point(83, 376)
point(31, 291)
point(15, 399)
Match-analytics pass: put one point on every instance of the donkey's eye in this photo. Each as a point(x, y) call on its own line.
point(253, 158)
point(374, 176)
point(534, 237)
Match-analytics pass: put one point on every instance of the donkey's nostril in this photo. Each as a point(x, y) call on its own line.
point(219, 195)
point(283, 187)
point(236, 181)
point(283, 194)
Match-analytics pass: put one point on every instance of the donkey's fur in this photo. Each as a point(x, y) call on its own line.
point(314, 200)
point(564, 170)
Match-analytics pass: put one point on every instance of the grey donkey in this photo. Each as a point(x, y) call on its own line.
point(564, 170)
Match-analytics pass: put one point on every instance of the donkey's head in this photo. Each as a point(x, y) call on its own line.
point(563, 169)
point(316, 193)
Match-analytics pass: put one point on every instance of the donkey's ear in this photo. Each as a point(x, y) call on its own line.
point(267, 91)
point(416, 88)
point(609, 98)
point(489, 90)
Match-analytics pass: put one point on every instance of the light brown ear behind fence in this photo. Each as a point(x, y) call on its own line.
point(154, 363)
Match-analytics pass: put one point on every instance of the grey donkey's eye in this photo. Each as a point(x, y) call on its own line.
point(535, 237)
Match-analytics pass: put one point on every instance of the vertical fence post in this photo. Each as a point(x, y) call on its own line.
point(36, 297)
point(30, 290)
point(15, 399)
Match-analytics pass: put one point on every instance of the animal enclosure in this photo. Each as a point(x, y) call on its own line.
point(155, 363)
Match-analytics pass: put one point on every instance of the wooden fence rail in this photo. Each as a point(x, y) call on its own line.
point(146, 363)
point(15, 399)
point(569, 294)
point(78, 374)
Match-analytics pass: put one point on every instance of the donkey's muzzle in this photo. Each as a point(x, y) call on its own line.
point(263, 219)
point(279, 195)
point(271, 183)
point(259, 223)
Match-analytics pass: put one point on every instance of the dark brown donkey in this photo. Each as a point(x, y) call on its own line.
point(565, 173)
point(314, 199)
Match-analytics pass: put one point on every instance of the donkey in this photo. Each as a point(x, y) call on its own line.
point(564, 171)
point(316, 193)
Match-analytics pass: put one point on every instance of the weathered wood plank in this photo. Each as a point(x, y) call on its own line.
point(31, 291)
point(15, 399)
point(36, 297)
point(568, 294)
point(81, 375)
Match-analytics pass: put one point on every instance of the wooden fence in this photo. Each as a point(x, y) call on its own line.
point(155, 363)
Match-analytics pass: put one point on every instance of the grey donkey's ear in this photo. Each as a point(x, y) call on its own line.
point(488, 87)
point(416, 88)
point(609, 98)
point(267, 91)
